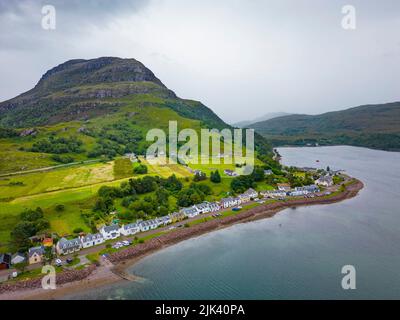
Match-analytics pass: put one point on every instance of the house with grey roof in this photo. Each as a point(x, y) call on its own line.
point(325, 181)
point(190, 212)
point(163, 221)
point(148, 225)
point(311, 188)
point(203, 207)
point(91, 240)
point(230, 202)
point(18, 258)
point(177, 216)
point(248, 195)
point(214, 207)
point(65, 246)
point(36, 254)
point(273, 194)
point(110, 232)
point(130, 229)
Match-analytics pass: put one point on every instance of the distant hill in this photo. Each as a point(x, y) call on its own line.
point(90, 109)
point(372, 126)
point(271, 115)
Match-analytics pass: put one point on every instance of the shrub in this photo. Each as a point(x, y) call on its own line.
point(140, 169)
point(78, 230)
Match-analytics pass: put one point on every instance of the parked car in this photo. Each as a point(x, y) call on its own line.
point(58, 262)
point(69, 260)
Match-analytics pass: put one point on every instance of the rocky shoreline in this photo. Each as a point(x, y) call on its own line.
point(123, 259)
point(62, 278)
point(259, 212)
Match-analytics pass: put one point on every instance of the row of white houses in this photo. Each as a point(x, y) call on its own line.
point(296, 192)
point(115, 231)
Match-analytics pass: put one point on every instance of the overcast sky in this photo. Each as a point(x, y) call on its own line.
point(241, 58)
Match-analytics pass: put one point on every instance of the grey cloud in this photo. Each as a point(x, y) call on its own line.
point(242, 58)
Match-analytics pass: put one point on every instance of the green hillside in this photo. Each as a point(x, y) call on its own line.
point(66, 139)
point(372, 126)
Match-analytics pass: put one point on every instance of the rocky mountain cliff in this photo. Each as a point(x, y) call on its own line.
point(82, 89)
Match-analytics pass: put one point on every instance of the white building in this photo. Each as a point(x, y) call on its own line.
point(230, 173)
point(163, 221)
point(214, 207)
point(129, 229)
point(298, 193)
point(203, 207)
point(325, 181)
point(148, 225)
point(230, 202)
point(190, 212)
point(18, 258)
point(110, 232)
point(65, 246)
point(248, 195)
point(273, 194)
point(91, 240)
point(311, 188)
point(283, 187)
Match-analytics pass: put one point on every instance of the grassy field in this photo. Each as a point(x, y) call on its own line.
point(123, 168)
point(166, 170)
point(59, 179)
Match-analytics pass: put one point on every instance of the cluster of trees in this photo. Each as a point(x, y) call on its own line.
point(215, 177)
point(63, 158)
point(122, 133)
point(32, 222)
point(117, 139)
point(194, 194)
point(241, 183)
point(107, 148)
point(299, 180)
point(7, 133)
point(155, 205)
point(58, 145)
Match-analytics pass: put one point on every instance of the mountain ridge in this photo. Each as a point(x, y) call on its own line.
point(374, 125)
point(267, 116)
point(95, 109)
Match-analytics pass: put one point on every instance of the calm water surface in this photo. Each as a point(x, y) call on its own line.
point(298, 253)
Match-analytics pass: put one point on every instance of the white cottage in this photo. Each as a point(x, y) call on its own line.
point(110, 232)
point(203, 207)
point(230, 202)
point(130, 229)
point(273, 194)
point(325, 181)
point(214, 207)
point(65, 246)
point(148, 225)
point(91, 240)
point(190, 212)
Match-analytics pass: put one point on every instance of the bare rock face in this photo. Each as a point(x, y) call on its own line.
point(75, 73)
point(78, 83)
point(28, 132)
